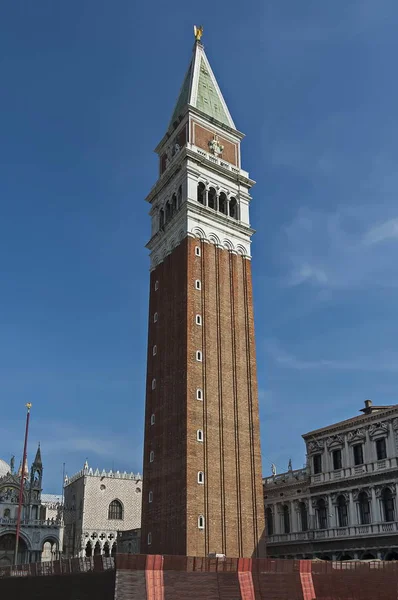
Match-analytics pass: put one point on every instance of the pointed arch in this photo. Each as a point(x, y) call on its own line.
point(115, 510)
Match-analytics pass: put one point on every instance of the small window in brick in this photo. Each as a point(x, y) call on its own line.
point(317, 462)
point(199, 394)
point(199, 356)
point(155, 317)
point(198, 320)
point(197, 251)
point(149, 538)
point(152, 419)
point(198, 284)
point(156, 285)
point(150, 497)
point(381, 449)
point(154, 350)
point(151, 456)
point(201, 522)
point(201, 477)
point(153, 383)
point(199, 435)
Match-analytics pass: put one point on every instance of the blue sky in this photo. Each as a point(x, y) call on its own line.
point(87, 91)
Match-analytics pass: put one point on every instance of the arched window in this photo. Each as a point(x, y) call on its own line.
point(150, 497)
point(199, 435)
point(233, 208)
point(153, 383)
point(151, 456)
point(152, 419)
point(342, 512)
point(201, 193)
point(89, 549)
point(7, 513)
point(222, 203)
point(97, 549)
point(364, 508)
point(198, 356)
point(212, 198)
point(199, 394)
point(107, 551)
point(115, 511)
point(198, 320)
point(270, 521)
point(154, 350)
point(201, 477)
point(286, 519)
point(179, 197)
point(303, 516)
point(201, 522)
point(388, 505)
point(155, 317)
point(161, 218)
point(168, 211)
point(322, 514)
point(174, 204)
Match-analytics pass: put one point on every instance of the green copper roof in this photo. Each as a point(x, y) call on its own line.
point(208, 100)
point(200, 90)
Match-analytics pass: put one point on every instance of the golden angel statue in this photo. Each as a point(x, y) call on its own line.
point(198, 32)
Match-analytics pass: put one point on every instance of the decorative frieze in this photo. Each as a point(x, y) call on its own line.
point(377, 429)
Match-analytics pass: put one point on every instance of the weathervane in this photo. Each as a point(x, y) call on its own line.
point(198, 32)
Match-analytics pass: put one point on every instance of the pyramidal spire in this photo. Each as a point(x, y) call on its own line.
point(200, 89)
point(37, 462)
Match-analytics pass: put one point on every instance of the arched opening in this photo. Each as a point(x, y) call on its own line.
point(7, 548)
point(97, 549)
point(114, 549)
point(286, 519)
point(161, 217)
point(364, 508)
point(342, 511)
point(325, 557)
point(201, 193)
point(212, 198)
point(303, 516)
point(179, 197)
point(89, 550)
point(368, 556)
point(233, 208)
point(391, 555)
point(322, 514)
point(388, 505)
point(346, 557)
point(168, 211)
point(174, 204)
point(270, 521)
point(107, 550)
point(49, 551)
point(115, 511)
point(223, 203)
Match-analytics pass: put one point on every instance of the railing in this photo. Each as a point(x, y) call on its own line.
point(354, 471)
point(31, 522)
point(334, 532)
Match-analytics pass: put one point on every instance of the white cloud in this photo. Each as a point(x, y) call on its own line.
point(381, 233)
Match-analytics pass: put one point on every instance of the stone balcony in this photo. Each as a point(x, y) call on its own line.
point(355, 471)
point(352, 531)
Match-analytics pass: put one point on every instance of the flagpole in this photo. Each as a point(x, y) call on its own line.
point(28, 407)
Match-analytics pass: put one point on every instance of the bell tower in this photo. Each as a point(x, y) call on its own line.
point(202, 483)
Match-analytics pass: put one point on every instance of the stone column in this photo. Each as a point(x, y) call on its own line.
point(375, 508)
point(390, 442)
point(348, 462)
point(332, 517)
point(293, 517)
point(352, 511)
point(368, 455)
point(216, 202)
point(207, 197)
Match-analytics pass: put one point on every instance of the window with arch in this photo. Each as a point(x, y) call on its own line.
point(388, 505)
point(155, 317)
point(364, 508)
point(233, 208)
point(179, 197)
point(201, 477)
point(7, 513)
point(199, 394)
point(303, 516)
point(223, 203)
point(199, 435)
point(198, 320)
point(322, 514)
point(152, 419)
point(286, 518)
point(197, 251)
point(149, 539)
point(168, 211)
point(174, 204)
point(156, 285)
point(161, 218)
point(153, 383)
point(201, 193)
point(198, 356)
point(115, 510)
point(150, 497)
point(151, 456)
point(212, 198)
point(270, 521)
point(201, 522)
point(198, 285)
point(342, 511)
point(154, 350)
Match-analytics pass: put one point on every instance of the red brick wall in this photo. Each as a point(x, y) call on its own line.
point(201, 136)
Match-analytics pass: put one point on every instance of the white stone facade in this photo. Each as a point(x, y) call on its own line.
point(343, 505)
point(98, 505)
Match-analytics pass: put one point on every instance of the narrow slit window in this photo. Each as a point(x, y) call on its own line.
point(155, 317)
point(199, 394)
point(198, 356)
point(156, 285)
point(199, 435)
point(151, 456)
point(197, 251)
point(152, 419)
point(201, 477)
point(154, 350)
point(149, 538)
point(153, 383)
point(198, 320)
point(201, 522)
point(150, 497)
point(198, 284)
